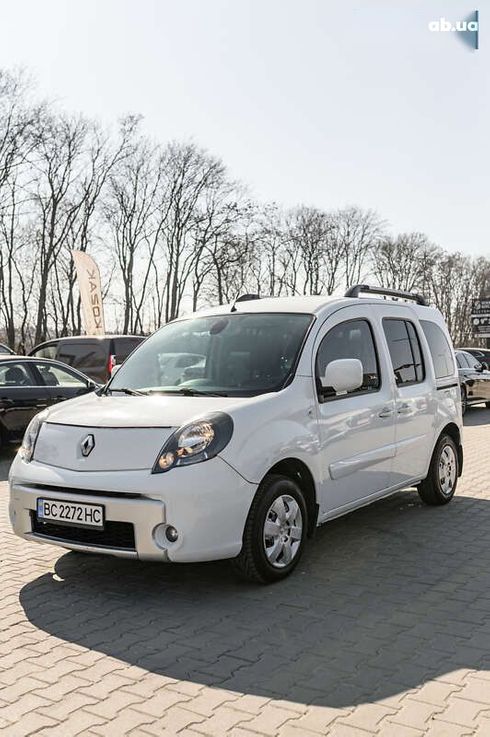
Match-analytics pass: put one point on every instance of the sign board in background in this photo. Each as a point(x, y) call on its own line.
point(481, 326)
point(480, 306)
point(480, 317)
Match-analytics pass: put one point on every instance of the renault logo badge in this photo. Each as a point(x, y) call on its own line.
point(87, 445)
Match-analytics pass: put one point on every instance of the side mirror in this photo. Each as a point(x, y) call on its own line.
point(115, 369)
point(343, 375)
point(478, 367)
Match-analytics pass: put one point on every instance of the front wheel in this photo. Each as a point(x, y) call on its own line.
point(440, 485)
point(275, 531)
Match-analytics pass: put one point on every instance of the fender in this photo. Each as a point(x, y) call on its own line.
point(278, 426)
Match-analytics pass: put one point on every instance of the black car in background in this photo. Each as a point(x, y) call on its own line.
point(474, 380)
point(481, 354)
point(95, 356)
point(29, 385)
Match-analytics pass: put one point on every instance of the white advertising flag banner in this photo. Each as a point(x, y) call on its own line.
point(88, 276)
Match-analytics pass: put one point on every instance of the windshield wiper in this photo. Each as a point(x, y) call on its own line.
point(131, 392)
point(188, 391)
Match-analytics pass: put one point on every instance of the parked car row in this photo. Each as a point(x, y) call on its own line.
point(30, 384)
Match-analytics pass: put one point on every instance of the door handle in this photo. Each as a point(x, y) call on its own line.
point(386, 412)
point(403, 409)
point(41, 405)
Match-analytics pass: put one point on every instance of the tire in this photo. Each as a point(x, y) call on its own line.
point(464, 400)
point(264, 558)
point(440, 485)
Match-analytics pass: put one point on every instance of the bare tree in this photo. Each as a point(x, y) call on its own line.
point(356, 232)
point(401, 262)
point(136, 209)
point(58, 164)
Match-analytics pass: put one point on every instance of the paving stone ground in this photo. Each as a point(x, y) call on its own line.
point(383, 630)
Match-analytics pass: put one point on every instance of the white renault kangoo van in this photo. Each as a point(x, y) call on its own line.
point(303, 409)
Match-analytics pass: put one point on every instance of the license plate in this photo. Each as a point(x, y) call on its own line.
point(70, 513)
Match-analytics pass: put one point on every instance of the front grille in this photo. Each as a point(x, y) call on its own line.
point(114, 535)
point(91, 492)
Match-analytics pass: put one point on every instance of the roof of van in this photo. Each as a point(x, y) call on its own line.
point(304, 304)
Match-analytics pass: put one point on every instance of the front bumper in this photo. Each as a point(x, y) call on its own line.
point(207, 503)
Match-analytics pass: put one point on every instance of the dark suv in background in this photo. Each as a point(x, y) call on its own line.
point(94, 356)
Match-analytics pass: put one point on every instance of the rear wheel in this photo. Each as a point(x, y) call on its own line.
point(440, 485)
point(275, 531)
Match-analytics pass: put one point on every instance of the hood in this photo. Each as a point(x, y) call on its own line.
point(120, 411)
point(125, 433)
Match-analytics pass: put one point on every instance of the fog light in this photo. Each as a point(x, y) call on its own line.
point(171, 534)
point(163, 535)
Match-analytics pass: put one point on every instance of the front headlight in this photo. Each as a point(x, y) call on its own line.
point(26, 450)
point(198, 441)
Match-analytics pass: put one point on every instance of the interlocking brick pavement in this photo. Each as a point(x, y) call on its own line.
point(383, 630)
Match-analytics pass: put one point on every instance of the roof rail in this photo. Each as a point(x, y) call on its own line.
point(244, 298)
point(356, 290)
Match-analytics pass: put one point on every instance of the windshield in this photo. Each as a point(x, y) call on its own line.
point(233, 355)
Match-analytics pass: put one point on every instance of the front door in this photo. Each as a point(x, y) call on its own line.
point(356, 430)
point(60, 383)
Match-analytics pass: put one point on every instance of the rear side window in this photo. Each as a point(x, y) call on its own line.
point(405, 352)
point(352, 339)
point(83, 354)
point(440, 350)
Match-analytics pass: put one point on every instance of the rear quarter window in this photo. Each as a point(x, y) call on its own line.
point(46, 351)
point(124, 346)
point(440, 350)
point(83, 354)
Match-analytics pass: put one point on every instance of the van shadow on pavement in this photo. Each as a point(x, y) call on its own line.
point(385, 599)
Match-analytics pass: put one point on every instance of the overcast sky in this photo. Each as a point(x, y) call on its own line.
point(320, 102)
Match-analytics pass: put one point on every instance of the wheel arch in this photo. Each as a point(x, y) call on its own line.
point(454, 432)
point(298, 471)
